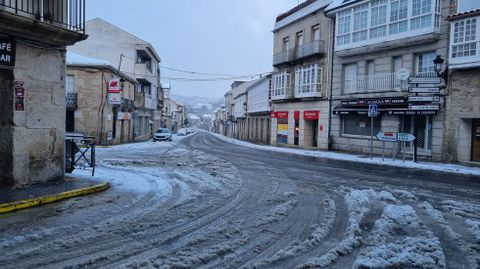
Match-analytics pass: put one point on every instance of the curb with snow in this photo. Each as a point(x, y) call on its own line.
point(438, 167)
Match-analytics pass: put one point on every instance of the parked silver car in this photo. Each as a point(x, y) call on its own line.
point(162, 134)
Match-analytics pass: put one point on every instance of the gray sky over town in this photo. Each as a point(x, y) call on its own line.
point(208, 36)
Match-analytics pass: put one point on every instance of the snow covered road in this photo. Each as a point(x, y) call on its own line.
point(201, 202)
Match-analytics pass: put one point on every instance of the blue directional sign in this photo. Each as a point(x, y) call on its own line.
point(372, 110)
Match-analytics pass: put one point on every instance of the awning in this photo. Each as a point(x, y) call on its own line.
point(349, 111)
point(338, 110)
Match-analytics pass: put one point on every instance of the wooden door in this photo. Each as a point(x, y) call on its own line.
point(476, 141)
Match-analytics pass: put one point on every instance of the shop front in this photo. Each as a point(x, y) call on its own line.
point(281, 126)
point(395, 114)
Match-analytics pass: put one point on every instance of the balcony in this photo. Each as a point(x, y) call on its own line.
point(282, 94)
point(127, 105)
point(71, 100)
point(373, 84)
point(301, 52)
point(68, 13)
point(308, 91)
point(54, 22)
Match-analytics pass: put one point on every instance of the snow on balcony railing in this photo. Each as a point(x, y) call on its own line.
point(373, 83)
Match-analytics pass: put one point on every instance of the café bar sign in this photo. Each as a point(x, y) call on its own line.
point(7, 51)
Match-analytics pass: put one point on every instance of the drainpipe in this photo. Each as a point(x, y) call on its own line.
point(330, 91)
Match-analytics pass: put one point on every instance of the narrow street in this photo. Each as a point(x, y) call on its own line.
point(200, 202)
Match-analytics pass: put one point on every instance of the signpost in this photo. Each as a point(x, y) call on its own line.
point(423, 107)
point(372, 112)
point(405, 137)
point(424, 104)
point(424, 90)
point(387, 137)
point(424, 80)
point(428, 98)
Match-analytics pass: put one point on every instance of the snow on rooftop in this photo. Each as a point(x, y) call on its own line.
point(309, 9)
point(336, 3)
point(74, 58)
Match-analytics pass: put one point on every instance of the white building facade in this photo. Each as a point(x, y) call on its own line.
point(258, 110)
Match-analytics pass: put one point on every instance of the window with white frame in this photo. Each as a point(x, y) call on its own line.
point(360, 23)
point(464, 38)
point(308, 79)
point(398, 16)
point(281, 84)
point(343, 27)
point(378, 19)
point(421, 14)
point(382, 18)
point(425, 64)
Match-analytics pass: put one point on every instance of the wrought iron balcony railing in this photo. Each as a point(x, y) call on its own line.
point(373, 83)
point(69, 14)
point(300, 52)
point(71, 100)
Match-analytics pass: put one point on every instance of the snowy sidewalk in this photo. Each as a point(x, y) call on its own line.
point(431, 166)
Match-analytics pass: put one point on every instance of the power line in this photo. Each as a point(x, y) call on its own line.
point(205, 74)
point(214, 78)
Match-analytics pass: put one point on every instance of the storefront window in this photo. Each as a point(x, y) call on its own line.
point(282, 131)
point(359, 125)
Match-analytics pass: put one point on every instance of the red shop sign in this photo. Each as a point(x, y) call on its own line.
point(296, 115)
point(279, 114)
point(311, 115)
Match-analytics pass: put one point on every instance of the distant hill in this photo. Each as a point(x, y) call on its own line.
point(200, 109)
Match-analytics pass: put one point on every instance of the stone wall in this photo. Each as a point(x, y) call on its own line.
point(461, 106)
point(94, 115)
point(38, 134)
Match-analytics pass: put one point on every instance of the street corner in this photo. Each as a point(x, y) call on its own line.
point(20, 204)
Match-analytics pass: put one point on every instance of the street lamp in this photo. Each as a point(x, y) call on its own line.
point(438, 67)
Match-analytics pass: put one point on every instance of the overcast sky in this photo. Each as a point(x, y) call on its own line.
point(209, 36)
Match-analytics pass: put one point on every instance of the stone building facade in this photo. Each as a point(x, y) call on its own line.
point(379, 47)
point(300, 80)
point(462, 123)
point(92, 112)
point(133, 56)
point(32, 92)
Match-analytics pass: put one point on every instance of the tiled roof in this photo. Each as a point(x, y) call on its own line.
point(467, 14)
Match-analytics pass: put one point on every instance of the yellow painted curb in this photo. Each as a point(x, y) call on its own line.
point(9, 207)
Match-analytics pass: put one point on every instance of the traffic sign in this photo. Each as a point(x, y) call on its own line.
point(403, 74)
point(405, 137)
point(387, 136)
point(424, 80)
point(423, 107)
point(424, 89)
point(372, 110)
point(430, 98)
